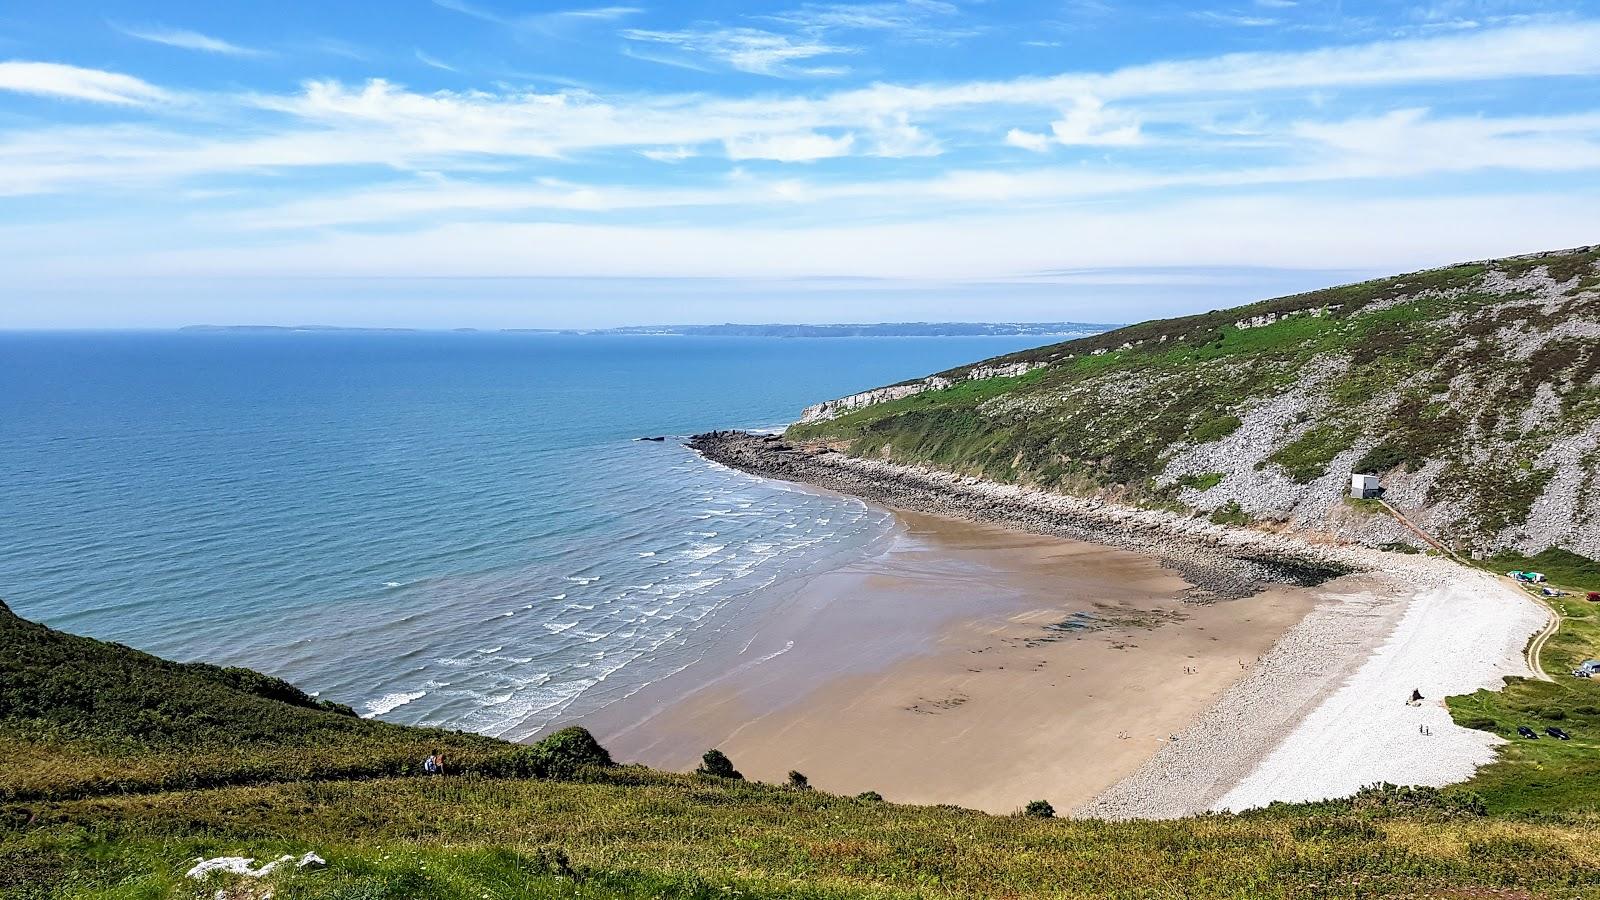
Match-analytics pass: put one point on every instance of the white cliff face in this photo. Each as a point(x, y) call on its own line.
point(832, 409)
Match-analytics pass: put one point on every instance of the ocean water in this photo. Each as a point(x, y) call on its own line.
point(450, 529)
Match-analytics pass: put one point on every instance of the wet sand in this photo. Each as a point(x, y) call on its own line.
point(967, 664)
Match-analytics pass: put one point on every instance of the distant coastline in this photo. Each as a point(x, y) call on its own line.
point(882, 329)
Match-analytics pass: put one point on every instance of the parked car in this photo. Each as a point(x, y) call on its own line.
point(1557, 733)
point(1588, 669)
point(1527, 732)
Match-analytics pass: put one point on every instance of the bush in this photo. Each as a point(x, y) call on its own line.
point(717, 763)
point(1480, 723)
point(566, 753)
point(1552, 713)
point(1381, 458)
point(1392, 799)
point(870, 797)
point(798, 781)
point(1336, 828)
point(1230, 513)
point(1214, 429)
point(1039, 809)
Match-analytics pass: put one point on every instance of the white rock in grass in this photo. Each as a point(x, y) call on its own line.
point(245, 865)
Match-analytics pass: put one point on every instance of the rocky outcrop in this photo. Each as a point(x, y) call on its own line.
point(830, 409)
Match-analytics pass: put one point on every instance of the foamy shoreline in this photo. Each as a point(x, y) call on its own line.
point(1322, 713)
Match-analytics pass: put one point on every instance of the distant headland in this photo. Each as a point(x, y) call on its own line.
point(881, 329)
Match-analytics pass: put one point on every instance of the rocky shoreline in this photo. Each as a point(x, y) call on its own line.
point(1220, 561)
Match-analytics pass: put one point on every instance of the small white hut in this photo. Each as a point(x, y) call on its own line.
point(1365, 487)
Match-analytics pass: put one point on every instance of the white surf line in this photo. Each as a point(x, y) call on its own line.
point(1458, 636)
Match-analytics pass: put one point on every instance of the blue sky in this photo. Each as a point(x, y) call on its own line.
point(446, 163)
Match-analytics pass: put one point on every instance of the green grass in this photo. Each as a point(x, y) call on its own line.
point(1202, 482)
point(644, 834)
point(1215, 428)
point(1546, 776)
point(1230, 513)
point(1306, 459)
point(84, 717)
point(1558, 565)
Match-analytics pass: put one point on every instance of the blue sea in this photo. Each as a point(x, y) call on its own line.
point(450, 529)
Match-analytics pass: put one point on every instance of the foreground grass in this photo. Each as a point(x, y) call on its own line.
point(641, 834)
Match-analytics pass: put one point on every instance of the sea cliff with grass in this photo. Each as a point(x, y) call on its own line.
point(1473, 390)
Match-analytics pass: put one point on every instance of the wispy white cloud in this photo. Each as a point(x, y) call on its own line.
point(185, 39)
point(1242, 20)
point(76, 83)
point(548, 24)
point(331, 123)
point(1028, 140)
point(748, 49)
point(916, 20)
point(801, 147)
point(1395, 233)
point(1090, 123)
point(434, 62)
point(897, 138)
point(336, 47)
point(668, 154)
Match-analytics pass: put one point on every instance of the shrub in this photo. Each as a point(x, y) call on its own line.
point(1399, 547)
point(1480, 723)
point(566, 753)
point(1230, 513)
point(1214, 429)
point(1393, 799)
point(1202, 482)
point(717, 763)
point(1381, 458)
point(1039, 809)
point(870, 797)
point(798, 781)
point(1552, 713)
point(1306, 459)
point(1336, 828)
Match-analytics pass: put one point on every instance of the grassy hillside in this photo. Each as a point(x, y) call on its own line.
point(1475, 391)
point(103, 804)
point(83, 717)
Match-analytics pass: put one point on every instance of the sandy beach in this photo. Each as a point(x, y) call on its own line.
point(967, 664)
point(950, 670)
